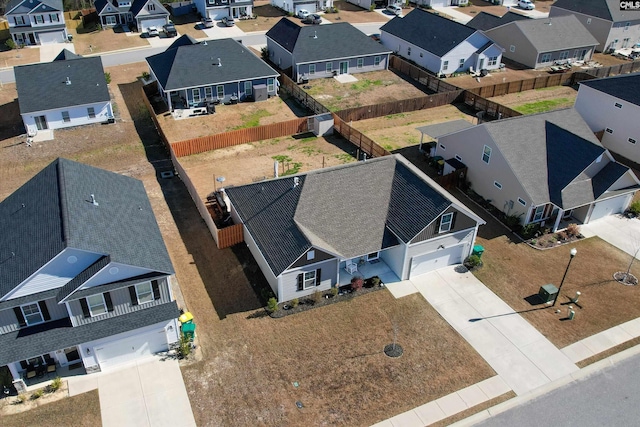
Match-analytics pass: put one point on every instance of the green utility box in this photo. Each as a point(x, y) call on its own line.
point(478, 250)
point(189, 330)
point(548, 292)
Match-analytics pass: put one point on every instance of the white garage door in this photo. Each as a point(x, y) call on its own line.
point(146, 23)
point(129, 349)
point(310, 7)
point(438, 3)
point(218, 14)
point(438, 259)
point(610, 206)
point(51, 37)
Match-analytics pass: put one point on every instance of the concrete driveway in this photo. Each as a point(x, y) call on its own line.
point(147, 393)
point(49, 51)
point(619, 231)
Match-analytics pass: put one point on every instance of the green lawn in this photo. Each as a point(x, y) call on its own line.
point(542, 106)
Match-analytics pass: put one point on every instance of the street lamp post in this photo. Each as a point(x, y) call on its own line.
point(573, 253)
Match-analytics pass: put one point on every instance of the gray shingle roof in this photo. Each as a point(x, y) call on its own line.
point(565, 32)
point(444, 128)
point(195, 65)
point(47, 337)
point(625, 86)
point(28, 5)
point(138, 5)
point(605, 9)
point(52, 211)
point(324, 42)
point(66, 55)
point(43, 86)
point(349, 210)
point(431, 32)
point(486, 21)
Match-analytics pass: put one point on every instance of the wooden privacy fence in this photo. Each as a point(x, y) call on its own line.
point(627, 67)
point(395, 107)
point(548, 80)
point(357, 138)
point(230, 236)
point(4, 25)
point(240, 136)
point(489, 107)
point(420, 75)
point(299, 94)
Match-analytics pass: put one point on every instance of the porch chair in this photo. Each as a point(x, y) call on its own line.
point(31, 372)
point(351, 267)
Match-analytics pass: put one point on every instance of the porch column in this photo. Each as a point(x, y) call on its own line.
point(14, 371)
point(558, 218)
point(421, 138)
point(168, 96)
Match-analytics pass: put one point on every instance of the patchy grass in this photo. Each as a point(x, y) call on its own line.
point(82, 410)
point(252, 120)
point(366, 83)
point(87, 41)
point(542, 106)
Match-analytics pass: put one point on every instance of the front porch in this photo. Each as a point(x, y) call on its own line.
point(44, 379)
point(367, 269)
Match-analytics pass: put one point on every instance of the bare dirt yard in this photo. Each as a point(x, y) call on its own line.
point(539, 100)
point(512, 72)
point(371, 88)
point(93, 40)
point(477, 6)
point(267, 17)
point(13, 57)
point(348, 12)
point(188, 24)
point(397, 131)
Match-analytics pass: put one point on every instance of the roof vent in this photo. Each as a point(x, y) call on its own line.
point(315, 34)
point(93, 200)
point(296, 181)
point(67, 82)
point(204, 43)
point(219, 63)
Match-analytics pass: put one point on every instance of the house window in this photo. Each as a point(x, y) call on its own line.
point(271, 85)
point(208, 92)
point(409, 51)
point(617, 105)
point(486, 154)
point(537, 215)
point(39, 19)
point(54, 17)
point(627, 25)
point(91, 112)
point(458, 158)
point(564, 55)
point(614, 43)
point(248, 88)
point(312, 68)
point(445, 65)
point(546, 57)
point(493, 60)
point(144, 292)
point(522, 202)
point(196, 95)
point(376, 60)
point(512, 48)
point(110, 20)
point(151, 7)
point(373, 256)
point(497, 185)
point(632, 141)
point(608, 130)
point(443, 147)
point(19, 20)
point(65, 116)
point(32, 314)
point(588, 21)
point(309, 280)
point(445, 222)
point(461, 63)
point(220, 91)
point(329, 67)
point(421, 54)
point(625, 43)
point(311, 255)
point(96, 305)
point(360, 63)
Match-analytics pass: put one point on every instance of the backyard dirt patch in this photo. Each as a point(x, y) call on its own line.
point(13, 57)
point(607, 60)
point(397, 131)
point(268, 16)
point(539, 100)
point(477, 6)
point(512, 72)
point(371, 88)
point(81, 410)
point(88, 41)
point(348, 12)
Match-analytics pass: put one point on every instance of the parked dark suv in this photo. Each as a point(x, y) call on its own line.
point(314, 19)
point(170, 30)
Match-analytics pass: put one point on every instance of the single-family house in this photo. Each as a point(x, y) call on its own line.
point(77, 93)
point(294, 6)
point(85, 274)
point(613, 27)
point(485, 21)
point(139, 14)
point(324, 51)
point(440, 45)
point(445, 3)
point(542, 168)
point(33, 22)
point(307, 237)
point(612, 106)
point(218, 9)
point(191, 73)
point(538, 43)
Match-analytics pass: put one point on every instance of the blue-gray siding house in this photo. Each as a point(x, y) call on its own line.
point(324, 51)
point(190, 74)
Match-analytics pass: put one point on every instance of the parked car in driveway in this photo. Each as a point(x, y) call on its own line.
point(313, 19)
point(303, 13)
point(153, 32)
point(395, 9)
point(526, 5)
point(228, 21)
point(207, 22)
point(170, 30)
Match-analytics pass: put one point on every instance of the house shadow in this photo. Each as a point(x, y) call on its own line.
point(11, 124)
point(296, 107)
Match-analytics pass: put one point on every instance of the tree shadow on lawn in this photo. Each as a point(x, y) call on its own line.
point(11, 124)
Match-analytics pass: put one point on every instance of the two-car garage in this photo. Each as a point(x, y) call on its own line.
point(144, 24)
point(49, 37)
point(131, 348)
point(425, 263)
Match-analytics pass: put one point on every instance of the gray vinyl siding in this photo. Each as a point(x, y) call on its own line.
point(234, 88)
point(319, 256)
point(618, 32)
point(257, 255)
point(420, 56)
point(289, 280)
point(279, 55)
point(321, 66)
point(121, 305)
point(598, 27)
point(508, 35)
point(460, 222)
point(9, 321)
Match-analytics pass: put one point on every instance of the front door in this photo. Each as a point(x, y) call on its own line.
point(344, 67)
point(583, 54)
point(41, 122)
point(32, 39)
point(481, 66)
point(68, 356)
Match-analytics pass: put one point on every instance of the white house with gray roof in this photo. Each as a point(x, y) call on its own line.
point(139, 14)
point(612, 27)
point(84, 274)
point(33, 22)
point(191, 73)
point(611, 106)
point(440, 45)
point(542, 168)
point(307, 239)
point(539, 43)
point(320, 51)
point(77, 93)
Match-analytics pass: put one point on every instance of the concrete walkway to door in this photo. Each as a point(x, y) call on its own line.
point(146, 393)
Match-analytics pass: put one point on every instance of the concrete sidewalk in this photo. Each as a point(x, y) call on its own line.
point(617, 230)
point(453, 12)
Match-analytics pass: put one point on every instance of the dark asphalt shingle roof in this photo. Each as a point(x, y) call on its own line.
point(195, 65)
point(324, 42)
point(28, 5)
point(431, 32)
point(444, 128)
point(486, 21)
point(349, 210)
point(66, 55)
point(52, 211)
point(138, 5)
point(625, 86)
point(605, 9)
point(50, 336)
point(43, 86)
point(565, 32)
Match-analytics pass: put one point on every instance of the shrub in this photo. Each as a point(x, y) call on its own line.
point(375, 281)
point(264, 52)
point(21, 398)
point(512, 221)
point(635, 208)
point(573, 230)
point(372, 8)
point(357, 283)
point(316, 297)
point(184, 348)
point(55, 385)
point(335, 290)
point(37, 394)
point(145, 75)
point(272, 305)
point(472, 261)
point(562, 235)
point(295, 302)
point(10, 44)
point(107, 77)
point(529, 230)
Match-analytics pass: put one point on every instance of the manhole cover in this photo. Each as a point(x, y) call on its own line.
point(393, 350)
point(625, 278)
